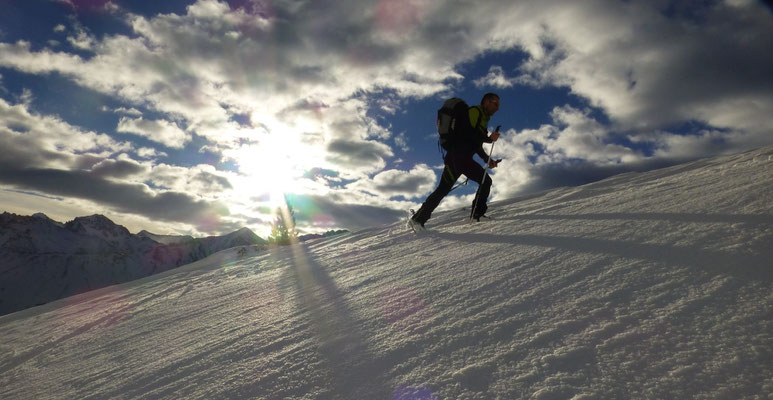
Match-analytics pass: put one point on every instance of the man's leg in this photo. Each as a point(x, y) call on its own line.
point(447, 180)
point(480, 199)
point(473, 171)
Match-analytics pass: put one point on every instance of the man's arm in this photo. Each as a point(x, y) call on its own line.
point(482, 153)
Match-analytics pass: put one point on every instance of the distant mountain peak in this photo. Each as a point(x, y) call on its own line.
point(42, 216)
point(244, 232)
point(90, 252)
point(95, 218)
point(97, 225)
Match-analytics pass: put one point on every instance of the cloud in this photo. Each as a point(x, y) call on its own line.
point(160, 131)
point(401, 141)
point(495, 78)
point(122, 197)
point(414, 183)
point(574, 149)
point(200, 179)
point(121, 168)
point(202, 67)
point(82, 41)
point(244, 62)
point(365, 155)
point(644, 67)
point(577, 135)
point(126, 111)
point(47, 155)
point(33, 140)
point(648, 69)
point(21, 57)
point(149, 153)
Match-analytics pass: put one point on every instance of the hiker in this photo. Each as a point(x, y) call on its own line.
point(458, 160)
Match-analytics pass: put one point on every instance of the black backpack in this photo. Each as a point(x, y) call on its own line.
point(453, 120)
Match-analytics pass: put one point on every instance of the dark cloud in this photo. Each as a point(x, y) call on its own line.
point(123, 197)
point(409, 184)
point(402, 184)
point(86, 161)
point(350, 153)
point(26, 151)
point(724, 57)
point(118, 169)
point(212, 182)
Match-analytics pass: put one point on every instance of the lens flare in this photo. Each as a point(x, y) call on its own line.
point(404, 310)
point(414, 393)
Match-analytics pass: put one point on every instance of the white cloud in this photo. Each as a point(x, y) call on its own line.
point(20, 56)
point(128, 111)
point(202, 180)
point(39, 141)
point(577, 135)
point(573, 147)
point(83, 40)
point(150, 153)
point(160, 131)
point(495, 78)
point(402, 142)
point(26, 97)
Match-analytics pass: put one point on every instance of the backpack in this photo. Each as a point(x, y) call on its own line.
point(453, 123)
point(451, 119)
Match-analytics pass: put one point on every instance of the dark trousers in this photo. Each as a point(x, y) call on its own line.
point(456, 165)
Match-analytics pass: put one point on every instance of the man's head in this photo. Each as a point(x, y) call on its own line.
point(490, 103)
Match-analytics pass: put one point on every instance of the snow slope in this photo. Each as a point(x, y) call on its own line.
point(650, 285)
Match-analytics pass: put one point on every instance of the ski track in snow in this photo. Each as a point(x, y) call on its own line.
point(644, 285)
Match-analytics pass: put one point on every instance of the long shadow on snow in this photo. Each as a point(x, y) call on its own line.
point(747, 266)
point(750, 219)
point(355, 373)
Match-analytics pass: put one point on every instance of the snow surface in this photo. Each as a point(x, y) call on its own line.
point(646, 285)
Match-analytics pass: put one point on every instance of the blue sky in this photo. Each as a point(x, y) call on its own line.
point(201, 117)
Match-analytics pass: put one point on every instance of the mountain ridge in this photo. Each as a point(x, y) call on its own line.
point(87, 253)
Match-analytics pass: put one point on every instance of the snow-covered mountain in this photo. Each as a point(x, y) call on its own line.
point(43, 260)
point(655, 285)
point(166, 239)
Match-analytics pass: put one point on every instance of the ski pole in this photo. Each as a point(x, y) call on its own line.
point(485, 175)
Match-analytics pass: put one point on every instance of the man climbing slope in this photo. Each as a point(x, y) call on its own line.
point(467, 140)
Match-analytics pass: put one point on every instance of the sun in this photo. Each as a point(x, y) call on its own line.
point(273, 166)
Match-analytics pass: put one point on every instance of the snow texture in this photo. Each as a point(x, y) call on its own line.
point(645, 285)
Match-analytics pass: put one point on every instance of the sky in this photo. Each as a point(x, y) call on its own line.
point(202, 117)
